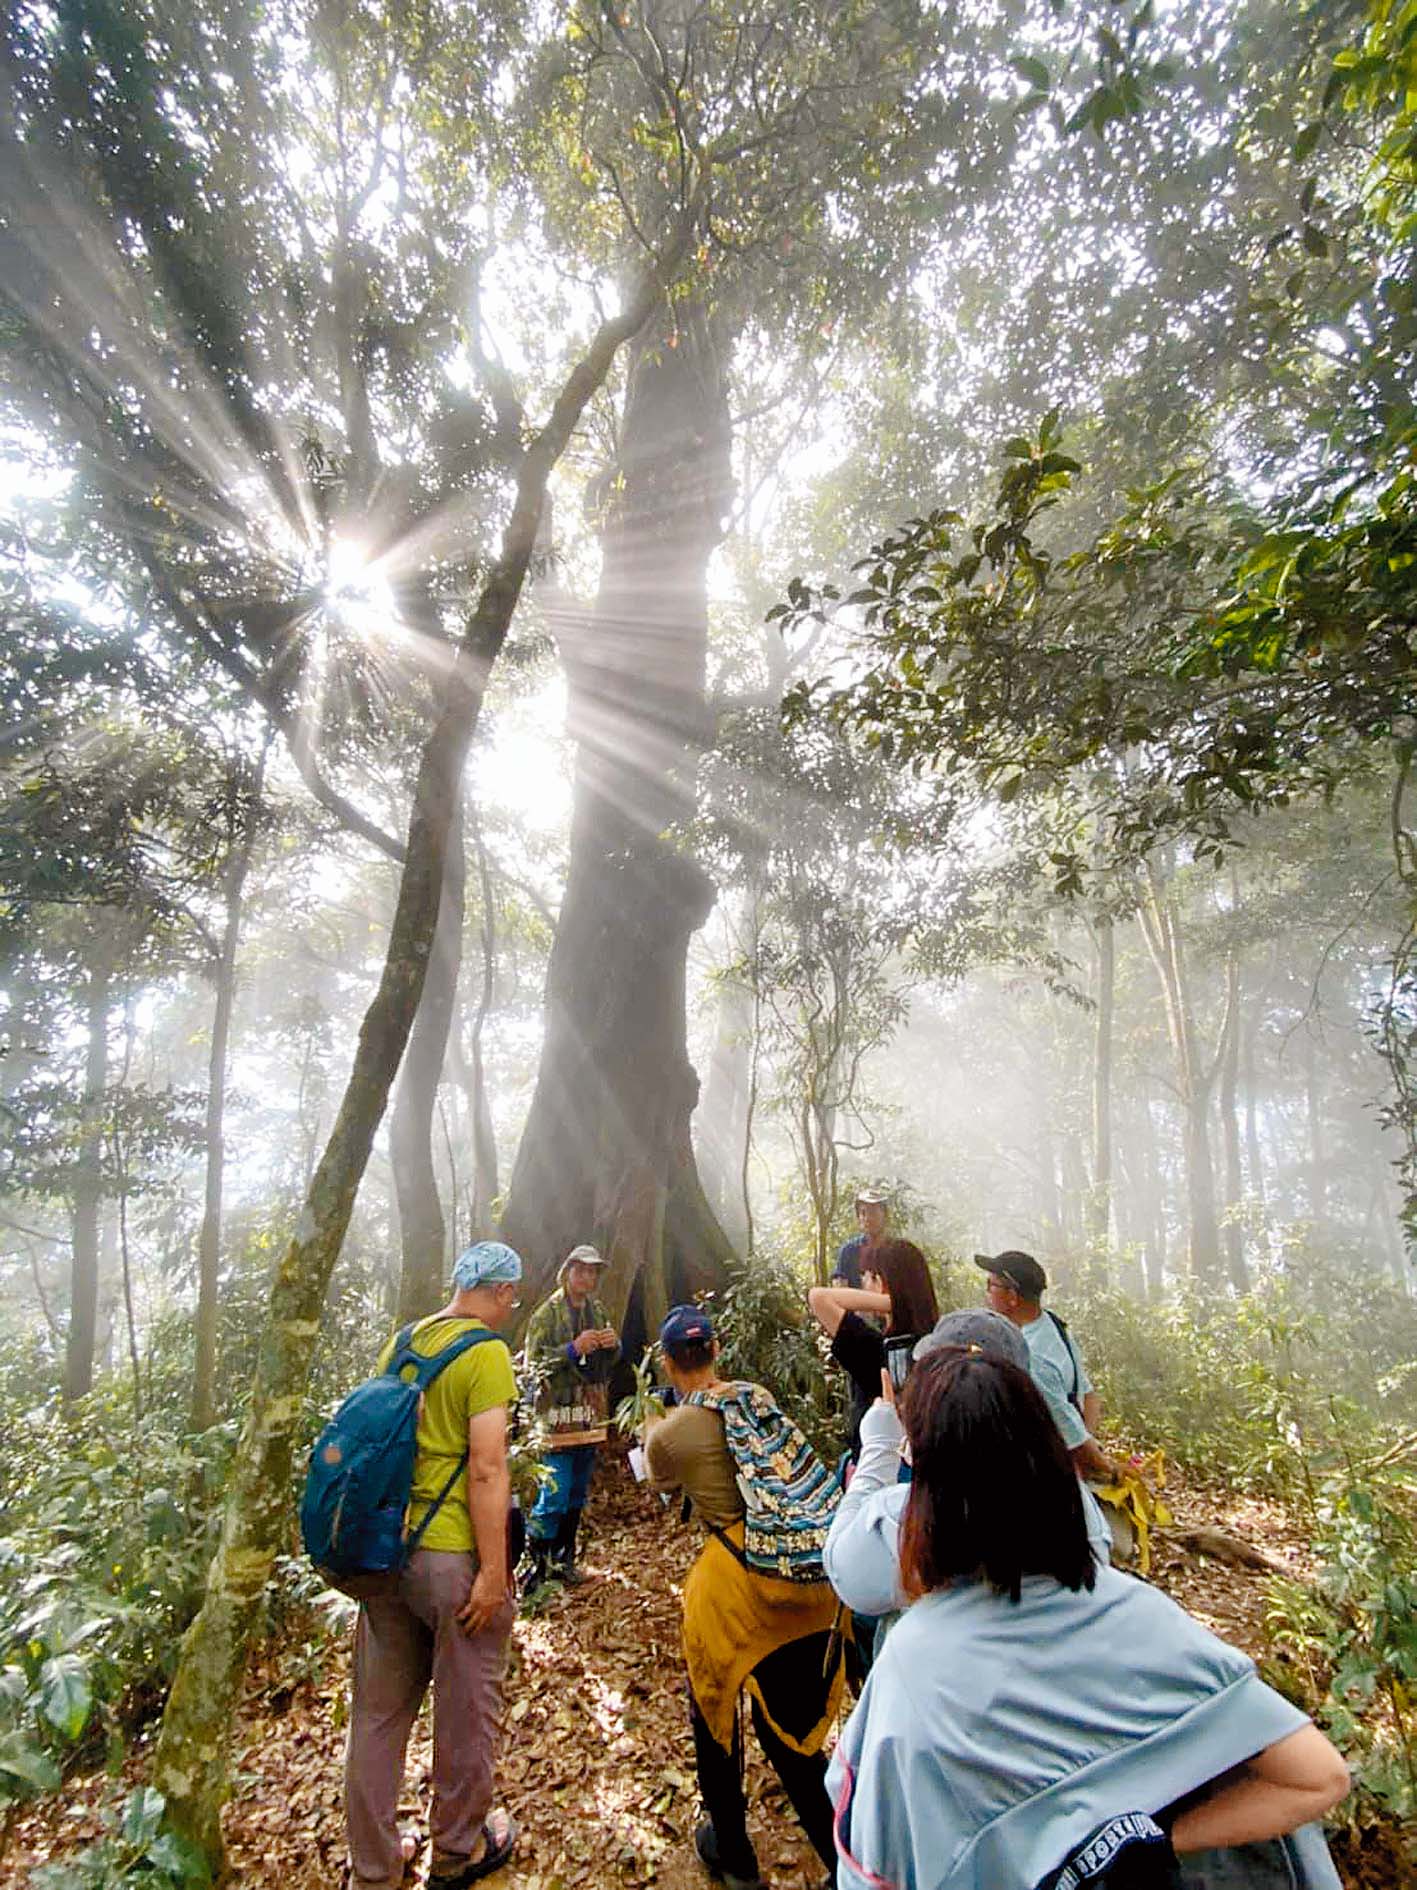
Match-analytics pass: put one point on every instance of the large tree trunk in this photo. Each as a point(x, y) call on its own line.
point(606, 1155)
point(190, 1764)
point(423, 1231)
point(238, 865)
point(88, 1185)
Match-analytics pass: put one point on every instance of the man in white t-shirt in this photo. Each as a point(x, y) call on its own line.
point(1016, 1285)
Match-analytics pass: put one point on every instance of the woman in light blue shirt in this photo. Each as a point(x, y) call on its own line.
point(1028, 1696)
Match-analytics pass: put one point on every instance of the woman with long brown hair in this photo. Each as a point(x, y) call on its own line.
point(1031, 1707)
point(895, 1287)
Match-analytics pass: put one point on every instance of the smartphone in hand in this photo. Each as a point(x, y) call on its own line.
point(899, 1358)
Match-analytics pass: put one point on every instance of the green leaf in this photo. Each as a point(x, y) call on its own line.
point(142, 1816)
point(1306, 140)
point(21, 1759)
point(179, 1860)
point(1314, 240)
point(1034, 71)
point(65, 1694)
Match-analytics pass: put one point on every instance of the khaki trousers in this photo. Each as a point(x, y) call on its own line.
point(402, 1643)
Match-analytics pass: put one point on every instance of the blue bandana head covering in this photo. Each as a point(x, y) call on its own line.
point(486, 1263)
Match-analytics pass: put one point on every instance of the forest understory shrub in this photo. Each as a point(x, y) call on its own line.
point(1242, 1389)
point(768, 1336)
point(109, 1529)
point(110, 1524)
point(1345, 1645)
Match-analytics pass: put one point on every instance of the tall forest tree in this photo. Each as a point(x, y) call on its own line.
point(807, 242)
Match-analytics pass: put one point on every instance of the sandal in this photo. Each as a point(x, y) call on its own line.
point(495, 1852)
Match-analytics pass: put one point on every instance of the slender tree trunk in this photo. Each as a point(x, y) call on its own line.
point(1230, 1128)
point(751, 1104)
point(422, 1228)
point(1254, 1158)
point(1072, 1160)
point(88, 1184)
point(606, 1154)
point(190, 1764)
point(1129, 1206)
point(1050, 1186)
point(721, 1123)
point(1153, 1203)
point(486, 1185)
point(1100, 1197)
point(238, 866)
point(1317, 1166)
point(1163, 938)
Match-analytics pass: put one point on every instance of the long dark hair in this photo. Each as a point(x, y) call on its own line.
point(905, 1275)
point(994, 1491)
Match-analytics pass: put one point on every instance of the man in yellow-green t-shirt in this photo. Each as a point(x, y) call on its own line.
point(449, 1620)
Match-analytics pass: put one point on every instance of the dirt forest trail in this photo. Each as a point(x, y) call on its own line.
point(596, 1760)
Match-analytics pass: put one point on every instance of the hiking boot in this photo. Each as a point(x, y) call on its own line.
point(564, 1552)
point(706, 1844)
point(540, 1564)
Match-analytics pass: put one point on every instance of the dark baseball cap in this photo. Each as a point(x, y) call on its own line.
point(976, 1330)
point(685, 1325)
point(1021, 1271)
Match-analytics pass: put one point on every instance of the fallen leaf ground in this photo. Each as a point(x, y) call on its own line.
point(596, 1761)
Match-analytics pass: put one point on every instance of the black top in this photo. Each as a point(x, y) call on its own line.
point(860, 1350)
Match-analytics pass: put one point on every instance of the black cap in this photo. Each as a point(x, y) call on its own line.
point(1021, 1270)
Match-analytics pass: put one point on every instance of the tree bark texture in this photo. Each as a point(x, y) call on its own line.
point(190, 1764)
point(423, 1232)
point(88, 1185)
point(606, 1154)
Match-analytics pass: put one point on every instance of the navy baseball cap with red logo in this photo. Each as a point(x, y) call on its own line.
point(686, 1325)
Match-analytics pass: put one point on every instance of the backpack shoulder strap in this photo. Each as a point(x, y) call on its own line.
point(427, 1369)
point(1066, 1337)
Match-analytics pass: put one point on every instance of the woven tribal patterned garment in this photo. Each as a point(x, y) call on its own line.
point(789, 1494)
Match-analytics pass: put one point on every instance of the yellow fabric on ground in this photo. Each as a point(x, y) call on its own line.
point(734, 1618)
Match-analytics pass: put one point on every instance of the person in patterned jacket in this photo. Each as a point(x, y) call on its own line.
point(571, 1350)
point(744, 1630)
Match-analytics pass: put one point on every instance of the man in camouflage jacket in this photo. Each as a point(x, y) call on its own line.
point(572, 1349)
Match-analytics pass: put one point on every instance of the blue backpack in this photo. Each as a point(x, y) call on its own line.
point(354, 1511)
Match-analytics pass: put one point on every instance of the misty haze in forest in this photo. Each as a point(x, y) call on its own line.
point(620, 623)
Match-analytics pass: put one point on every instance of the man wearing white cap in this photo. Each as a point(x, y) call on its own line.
point(572, 1349)
point(872, 1216)
point(449, 1619)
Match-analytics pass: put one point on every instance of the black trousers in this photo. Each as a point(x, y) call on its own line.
point(781, 1680)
